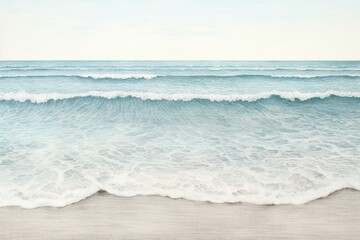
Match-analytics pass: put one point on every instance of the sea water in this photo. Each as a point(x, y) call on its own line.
point(219, 131)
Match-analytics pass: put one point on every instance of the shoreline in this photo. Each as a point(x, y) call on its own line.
point(105, 216)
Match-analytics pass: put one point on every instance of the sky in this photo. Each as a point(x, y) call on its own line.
point(180, 30)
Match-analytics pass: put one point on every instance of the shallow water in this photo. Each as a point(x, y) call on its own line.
point(259, 132)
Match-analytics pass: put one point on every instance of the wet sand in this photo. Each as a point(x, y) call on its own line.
point(104, 216)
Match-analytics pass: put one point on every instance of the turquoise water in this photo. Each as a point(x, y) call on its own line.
point(259, 132)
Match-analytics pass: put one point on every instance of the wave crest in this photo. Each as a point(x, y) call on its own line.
point(92, 76)
point(246, 97)
point(119, 75)
point(148, 76)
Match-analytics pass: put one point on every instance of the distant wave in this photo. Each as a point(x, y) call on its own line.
point(92, 76)
point(177, 68)
point(147, 76)
point(118, 76)
point(251, 97)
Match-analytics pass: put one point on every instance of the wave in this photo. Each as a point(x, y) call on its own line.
point(92, 76)
point(246, 97)
point(119, 76)
point(180, 68)
point(147, 76)
point(45, 69)
point(73, 197)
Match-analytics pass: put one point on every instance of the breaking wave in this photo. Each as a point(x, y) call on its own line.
point(292, 96)
point(148, 76)
point(92, 76)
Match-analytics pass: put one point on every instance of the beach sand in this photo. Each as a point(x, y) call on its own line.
point(104, 216)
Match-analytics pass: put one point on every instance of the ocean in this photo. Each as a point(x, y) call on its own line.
point(272, 132)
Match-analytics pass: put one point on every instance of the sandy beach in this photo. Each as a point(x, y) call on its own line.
point(104, 216)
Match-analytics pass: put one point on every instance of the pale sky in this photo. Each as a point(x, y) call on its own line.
point(180, 29)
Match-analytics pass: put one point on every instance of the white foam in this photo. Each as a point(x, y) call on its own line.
point(119, 75)
point(93, 76)
point(70, 197)
point(248, 97)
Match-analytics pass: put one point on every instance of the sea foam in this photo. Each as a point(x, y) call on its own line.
point(292, 96)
